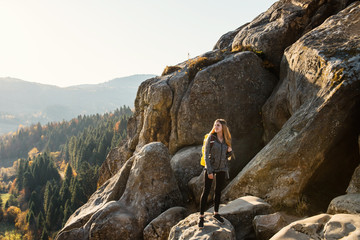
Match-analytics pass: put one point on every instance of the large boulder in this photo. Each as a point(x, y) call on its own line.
point(354, 185)
point(234, 89)
point(349, 203)
point(241, 213)
point(282, 24)
point(188, 229)
point(151, 188)
point(159, 228)
point(323, 226)
point(186, 165)
point(226, 40)
point(111, 190)
point(266, 226)
point(312, 157)
point(113, 163)
point(152, 106)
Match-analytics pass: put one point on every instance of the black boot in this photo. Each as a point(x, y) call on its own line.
point(219, 218)
point(201, 223)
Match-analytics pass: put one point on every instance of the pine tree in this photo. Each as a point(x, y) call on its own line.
point(65, 193)
point(40, 221)
point(78, 198)
point(30, 218)
point(68, 174)
point(67, 212)
point(45, 234)
point(47, 195)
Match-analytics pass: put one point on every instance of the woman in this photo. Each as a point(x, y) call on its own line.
point(217, 150)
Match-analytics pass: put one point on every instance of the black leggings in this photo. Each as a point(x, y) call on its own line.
point(220, 179)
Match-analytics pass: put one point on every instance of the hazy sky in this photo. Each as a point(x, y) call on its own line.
point(70, 42)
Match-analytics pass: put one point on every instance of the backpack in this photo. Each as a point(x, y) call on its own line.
point(202, 161)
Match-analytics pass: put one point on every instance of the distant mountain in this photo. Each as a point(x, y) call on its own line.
point(26, 103)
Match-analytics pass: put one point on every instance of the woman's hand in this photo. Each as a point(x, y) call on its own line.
point(229, 149)
point(211, 176)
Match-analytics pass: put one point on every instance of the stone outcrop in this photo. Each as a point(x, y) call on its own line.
point(177, 109)
point(159, 228)
point(188, 229)
point(354, 185)
point(323, 226)
point(349, 203)
point(111, 190)
point(186, 165)
point(241, 213)
point(266, 226)
point(318, 97)
point(282, 24)
point(113, 163)
point(226, 40)
point(247, 85)
point(150, 189)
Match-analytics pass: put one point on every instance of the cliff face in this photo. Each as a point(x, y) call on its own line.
point(288, 85)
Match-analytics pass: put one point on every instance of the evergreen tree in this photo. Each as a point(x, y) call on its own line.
point(65, 193)
point(67, 212)
point(47, 195)
point(68, 174)
point(31, 220)
point(78, 198)
point(40, 221)
point(35, 202)
point(44, 234)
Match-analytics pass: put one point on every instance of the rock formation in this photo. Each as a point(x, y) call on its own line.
point(121, 209)
point(323, 226)
point(159, 228)
point(314, 113)
point(241, 213)
point(288, 85)
point(185, 164)
point(266, 226)
point(187, 229)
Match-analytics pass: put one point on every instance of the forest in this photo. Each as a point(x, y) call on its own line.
point(55, 171)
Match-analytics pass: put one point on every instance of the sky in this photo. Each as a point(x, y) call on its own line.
point(72, 42)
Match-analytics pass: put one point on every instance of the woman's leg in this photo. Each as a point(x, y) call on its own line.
point(220, 180)
point(205, 193)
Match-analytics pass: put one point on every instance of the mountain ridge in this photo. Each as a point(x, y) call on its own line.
point(26, 103)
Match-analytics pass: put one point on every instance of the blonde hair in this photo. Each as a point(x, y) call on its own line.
point(225, 129)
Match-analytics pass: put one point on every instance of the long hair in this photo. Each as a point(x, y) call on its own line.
point(225, 129)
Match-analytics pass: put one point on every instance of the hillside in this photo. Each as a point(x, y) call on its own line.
point(26, 103)
point(54, 169)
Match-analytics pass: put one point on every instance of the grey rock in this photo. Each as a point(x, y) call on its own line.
point(188, 229)
point(349, 203)
point(247, 85)
point(323, 226)
point(159, 228)
point(151, 188)
point(321, 101)
point(186, 165)
point(241, 213)
point(354, 185)
point(266, 226)
point(282, 24)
